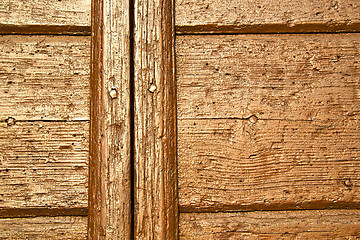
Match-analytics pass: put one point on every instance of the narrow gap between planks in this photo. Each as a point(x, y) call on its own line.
point(42, 212)
point(9, 29)
point(132, 115)
point(267, 29)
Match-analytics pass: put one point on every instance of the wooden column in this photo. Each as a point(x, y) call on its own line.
point(155, 191)
point(110, 171)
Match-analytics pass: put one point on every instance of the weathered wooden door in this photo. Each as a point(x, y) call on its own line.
point(246, 126)
point(208, 119)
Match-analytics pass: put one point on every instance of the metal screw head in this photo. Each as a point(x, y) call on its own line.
point(347, 183)
point(113, 93)
point(10, 121)
point(152, 88)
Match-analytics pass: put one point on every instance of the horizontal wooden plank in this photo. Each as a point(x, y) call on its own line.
point(43, 164)
point(323, 224)
point(239, 16)
point(44, 77)
point(292, 77)
point(230, 164)
point(71, 14)
point(44, 228)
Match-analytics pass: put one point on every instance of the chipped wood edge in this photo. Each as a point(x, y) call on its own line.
point(109, 164)
point(155, 177)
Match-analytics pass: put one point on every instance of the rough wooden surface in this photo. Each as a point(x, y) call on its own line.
point(110, 173)
point(43, 164)
point(44, 77)
point(45, 16)
point(293, 77)
point(327, 224)
point(268, 122)
point(227, 164)
point(155, 122)
point(43, 228)
point(236, 16)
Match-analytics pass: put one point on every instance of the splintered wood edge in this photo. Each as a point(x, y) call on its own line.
point(155, 194)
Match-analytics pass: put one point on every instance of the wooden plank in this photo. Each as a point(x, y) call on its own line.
point(45, 16)
point(110, 147)
point(268, 122)
point(292, 77)
point(230, 164)
point(322, 224)
point(155, 194)
point(243, 16)
point(43, 228)
point(44, 77)
point(43, 164)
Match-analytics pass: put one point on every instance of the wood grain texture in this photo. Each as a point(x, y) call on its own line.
point(43, 228)
point(43, 164)
point(44, 77)
point(45, 16)
point(155, 121)
point(110, 172)
point(268, 122)
point(239, 16)
point(322, 224)
point(229, 164)
point(292, 77)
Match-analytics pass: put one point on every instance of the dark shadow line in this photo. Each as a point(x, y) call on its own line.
point(9, 29)
point(42, 212)
point(132, 115)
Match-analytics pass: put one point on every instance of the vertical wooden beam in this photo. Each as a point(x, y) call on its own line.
point(156, 211)
point(109, 170)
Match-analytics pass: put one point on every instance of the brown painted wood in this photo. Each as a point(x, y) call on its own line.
point(43, 164)
point(292, 77)
point(155, 121)
point(322, 224)
point(43, 228)
point(268, 122)
point(109, 170)
point(44, 78)
point(247, 16)
point(229, 164)
point(193, 16)
point(45, 16)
